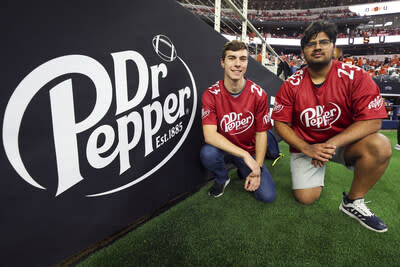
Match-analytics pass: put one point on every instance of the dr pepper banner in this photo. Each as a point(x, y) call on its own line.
point(100, 118)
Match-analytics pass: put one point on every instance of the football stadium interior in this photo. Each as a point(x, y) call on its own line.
point(369, 37)
point(102, 130)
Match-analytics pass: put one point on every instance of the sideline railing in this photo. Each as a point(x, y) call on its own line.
point(245, 23)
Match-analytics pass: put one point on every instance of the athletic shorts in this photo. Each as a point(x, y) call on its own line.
point(305, 175)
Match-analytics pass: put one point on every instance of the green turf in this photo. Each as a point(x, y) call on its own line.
point(237, 230)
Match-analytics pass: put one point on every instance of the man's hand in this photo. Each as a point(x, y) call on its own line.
point(320, 153)
point(252, 164)
point(252, 182)
point(317, 163)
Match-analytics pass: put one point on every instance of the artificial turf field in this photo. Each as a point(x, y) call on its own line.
point(237, 230)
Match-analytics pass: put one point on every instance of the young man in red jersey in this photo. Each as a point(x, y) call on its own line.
point(235, 122)
point(331, 111)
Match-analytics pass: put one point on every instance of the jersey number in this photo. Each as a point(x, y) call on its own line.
point(258, 89)
point(345, 66)
point(351, 74)
point(296, 78)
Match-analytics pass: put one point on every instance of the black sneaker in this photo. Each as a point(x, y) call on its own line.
point(217, 189)
point(359, 211)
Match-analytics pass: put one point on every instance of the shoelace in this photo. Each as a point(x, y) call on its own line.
point(281, 155)
point(360, 204)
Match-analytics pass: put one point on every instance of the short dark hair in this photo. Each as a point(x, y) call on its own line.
point(316, 27)
point(234, 45)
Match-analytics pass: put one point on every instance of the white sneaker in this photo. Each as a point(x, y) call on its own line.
point(359, 211)
point(397, 147)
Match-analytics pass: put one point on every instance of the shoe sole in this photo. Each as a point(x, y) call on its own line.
point(342, 209)
point(223, 190)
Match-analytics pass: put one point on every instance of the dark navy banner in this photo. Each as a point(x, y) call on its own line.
point(391, 87)
point(100, 112)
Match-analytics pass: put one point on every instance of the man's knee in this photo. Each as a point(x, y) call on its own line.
point(307, 196)
point(265, 196)
point(375, 146)
point(379, 147)
point(208, 152)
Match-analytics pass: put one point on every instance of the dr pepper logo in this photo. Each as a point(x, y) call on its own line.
point(320, 118)
point(140, 113)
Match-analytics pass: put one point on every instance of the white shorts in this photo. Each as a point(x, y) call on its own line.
point(305, 175)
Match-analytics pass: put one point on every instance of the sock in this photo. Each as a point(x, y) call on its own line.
point(348, 200)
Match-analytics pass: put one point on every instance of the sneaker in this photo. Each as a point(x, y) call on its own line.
point(359, 211)
point(397, 147)
point(217, 189)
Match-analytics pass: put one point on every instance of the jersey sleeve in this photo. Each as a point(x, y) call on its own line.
point(367, 102)
point(283, 106)
point(208, 110)
point(262, 117)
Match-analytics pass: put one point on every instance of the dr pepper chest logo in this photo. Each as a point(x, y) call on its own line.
point(236, 123)
point(153, 114)
point(321, 117)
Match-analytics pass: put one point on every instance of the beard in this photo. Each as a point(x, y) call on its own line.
point(316, 64)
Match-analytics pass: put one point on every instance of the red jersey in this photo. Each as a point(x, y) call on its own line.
point(237, 118)
point(316, 114)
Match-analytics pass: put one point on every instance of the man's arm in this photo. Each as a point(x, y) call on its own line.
point(322, 151)
point(253, 181)
point(261, 147)
point(356, 131)
point(212, 137)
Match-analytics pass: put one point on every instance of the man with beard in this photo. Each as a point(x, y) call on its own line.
point(331, 111)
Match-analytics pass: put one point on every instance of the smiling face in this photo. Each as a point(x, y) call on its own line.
point(235, 65)
point(318, 51)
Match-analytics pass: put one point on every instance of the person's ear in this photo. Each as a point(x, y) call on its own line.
point(221, 60)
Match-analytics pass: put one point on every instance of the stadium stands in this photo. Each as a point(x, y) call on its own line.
point(370, 41)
